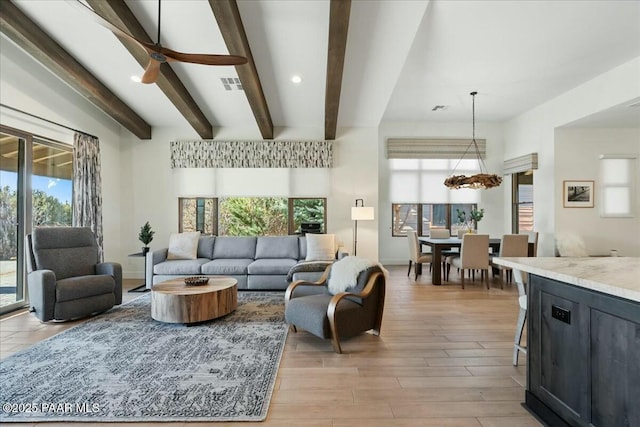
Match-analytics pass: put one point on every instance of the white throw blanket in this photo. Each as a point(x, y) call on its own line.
point(344, 273)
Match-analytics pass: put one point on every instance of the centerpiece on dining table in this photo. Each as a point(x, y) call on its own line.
point(475, 216)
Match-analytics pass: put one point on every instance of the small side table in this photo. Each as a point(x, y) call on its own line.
point(143, 286)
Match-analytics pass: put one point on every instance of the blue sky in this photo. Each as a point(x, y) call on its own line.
point(58, 188)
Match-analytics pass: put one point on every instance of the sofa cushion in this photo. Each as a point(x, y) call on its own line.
point(277, 247)
point(180, 266)
point(226, 267)
point(271, 266)
point(183, 245)
point(272, 282)
point(84, 287)
point(302, 247)
point(205, 246)
point(234, 247)
point(321, 247)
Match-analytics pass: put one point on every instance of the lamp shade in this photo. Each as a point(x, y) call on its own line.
point(362, 213)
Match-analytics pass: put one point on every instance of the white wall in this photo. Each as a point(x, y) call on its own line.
point(394, 250)
point(154, 188)
point(534, 131)
point(599, 234)
point(27, 86)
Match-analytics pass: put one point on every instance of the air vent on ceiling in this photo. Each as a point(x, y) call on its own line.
point(231, 83)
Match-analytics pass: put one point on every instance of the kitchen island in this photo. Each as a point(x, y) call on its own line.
point(583, 358)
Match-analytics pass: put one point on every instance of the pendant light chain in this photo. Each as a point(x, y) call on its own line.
point(483, 180)
point(483, 167)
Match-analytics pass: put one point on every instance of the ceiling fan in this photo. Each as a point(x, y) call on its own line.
point(159, 54)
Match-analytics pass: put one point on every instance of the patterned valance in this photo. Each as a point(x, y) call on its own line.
point(251, 154)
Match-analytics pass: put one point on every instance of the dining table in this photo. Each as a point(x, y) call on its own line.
point(438, 245)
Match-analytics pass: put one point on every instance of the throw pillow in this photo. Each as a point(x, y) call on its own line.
point(183, 245)
point(321, 247)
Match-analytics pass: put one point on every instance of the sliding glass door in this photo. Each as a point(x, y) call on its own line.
point(12, 290)
point(35, 190)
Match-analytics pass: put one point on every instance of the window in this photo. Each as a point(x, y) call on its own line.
point(307, 211)
point(522, 202)
point(250, 216)
point(422, 217)
point(616, 172)
point(36, 189)
point(198, 214)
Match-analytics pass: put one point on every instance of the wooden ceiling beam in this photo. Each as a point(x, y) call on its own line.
point(338, 30)
point(26, 34)
point(119, 14)
point(232, 29)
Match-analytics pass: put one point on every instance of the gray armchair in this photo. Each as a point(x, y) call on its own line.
point(64, 277)
point(310, 306)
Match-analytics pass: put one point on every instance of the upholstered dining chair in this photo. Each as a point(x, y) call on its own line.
point(439, 233)
point(312, 306)
point(511, 245)
point(416, 258)
point(474, 255)
point(533, 240)
point(443, 233)
point(65, 279)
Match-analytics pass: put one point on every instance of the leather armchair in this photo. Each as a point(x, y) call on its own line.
point(65, 279)
point(312, 307)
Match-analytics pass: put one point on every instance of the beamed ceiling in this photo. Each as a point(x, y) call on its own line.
point(361, 62)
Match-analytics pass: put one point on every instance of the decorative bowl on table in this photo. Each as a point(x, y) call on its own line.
point(196, 281)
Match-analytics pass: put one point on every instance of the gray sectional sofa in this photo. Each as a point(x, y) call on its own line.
point(257, 263)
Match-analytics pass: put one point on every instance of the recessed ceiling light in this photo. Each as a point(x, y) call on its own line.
point(296, 79)
point(136, 79)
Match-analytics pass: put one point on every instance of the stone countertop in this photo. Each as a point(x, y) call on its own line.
point(617, 276)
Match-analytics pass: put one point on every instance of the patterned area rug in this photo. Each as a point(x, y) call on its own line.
point(125, 366)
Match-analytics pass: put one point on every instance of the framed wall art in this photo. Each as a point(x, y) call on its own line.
point(577, 194)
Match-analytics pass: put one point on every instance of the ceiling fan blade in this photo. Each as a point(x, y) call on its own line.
point(151, 72)
point(201, 58)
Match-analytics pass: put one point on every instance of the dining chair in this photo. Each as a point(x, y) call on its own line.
point(416, 257)
point(439, 233)
point(511, 245)
point(533, 239)
point(474, 255)
point(443, 233)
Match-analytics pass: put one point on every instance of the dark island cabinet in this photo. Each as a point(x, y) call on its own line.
point(583, 357)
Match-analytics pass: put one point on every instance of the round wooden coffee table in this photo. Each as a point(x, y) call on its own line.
point(174, 302)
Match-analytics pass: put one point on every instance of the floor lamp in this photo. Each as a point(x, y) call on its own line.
point(359, 212)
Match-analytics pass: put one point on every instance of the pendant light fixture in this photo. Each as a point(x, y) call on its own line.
point(479, 181)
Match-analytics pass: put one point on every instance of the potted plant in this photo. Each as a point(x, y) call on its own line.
point(146, 236)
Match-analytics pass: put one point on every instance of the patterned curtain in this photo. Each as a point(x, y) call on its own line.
point(87, 186)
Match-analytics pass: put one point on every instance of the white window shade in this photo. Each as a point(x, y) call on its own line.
point(617, 185)
point(422, 181)
point(433, 148)
point(520, 164)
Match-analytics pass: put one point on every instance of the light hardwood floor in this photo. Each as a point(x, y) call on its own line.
point(443, 359)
